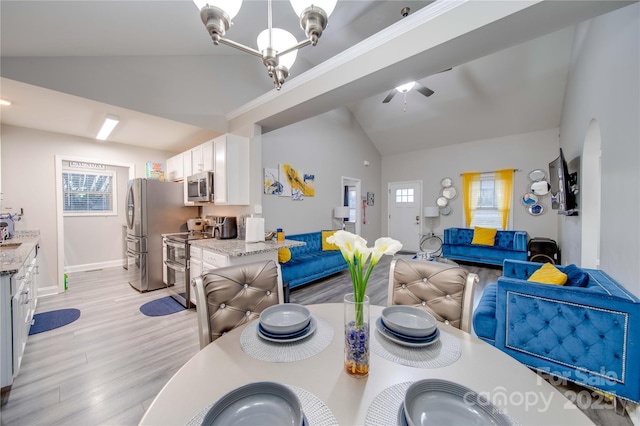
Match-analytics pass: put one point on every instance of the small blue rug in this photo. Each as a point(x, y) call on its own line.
point(163, 306)
point(53, 319)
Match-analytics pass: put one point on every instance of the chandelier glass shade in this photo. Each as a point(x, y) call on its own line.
point(276, 47)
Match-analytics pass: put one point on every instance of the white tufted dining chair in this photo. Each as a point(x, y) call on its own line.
point(445, 291)
point(234, 295)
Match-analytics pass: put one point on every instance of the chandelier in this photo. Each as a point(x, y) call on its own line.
point(276, 47)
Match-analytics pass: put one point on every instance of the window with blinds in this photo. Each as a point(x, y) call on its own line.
point(88, 193)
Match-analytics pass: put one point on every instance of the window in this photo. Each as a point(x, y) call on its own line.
point(404, 195)
point(487, 198)
point(88, 193)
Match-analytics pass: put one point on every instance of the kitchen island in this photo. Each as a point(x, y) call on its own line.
point(207, 254)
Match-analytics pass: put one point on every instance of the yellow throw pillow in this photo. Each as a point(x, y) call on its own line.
point(548, 274)
point(484, 236)
point(284, 255)
point(325, 245)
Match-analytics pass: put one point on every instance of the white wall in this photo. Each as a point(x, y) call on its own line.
point(604, 85)
point(330, 146)
point(28, 181)
point(526, 152)
point(104, 248)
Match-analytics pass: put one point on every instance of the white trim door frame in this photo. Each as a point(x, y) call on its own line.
point(60, 204)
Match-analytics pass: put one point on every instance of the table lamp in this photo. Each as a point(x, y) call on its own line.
point(341, 213)
point(431, 212)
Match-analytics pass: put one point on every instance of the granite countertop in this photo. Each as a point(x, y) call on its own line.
point(12, 259)
point(238, 247)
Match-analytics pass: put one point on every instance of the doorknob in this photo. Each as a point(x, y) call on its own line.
point(417, 220)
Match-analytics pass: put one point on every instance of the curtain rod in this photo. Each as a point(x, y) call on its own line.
point(493, 171)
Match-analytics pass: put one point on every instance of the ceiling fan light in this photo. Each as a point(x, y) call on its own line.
point(230, 7)
point(281, 40)
point(299, 6)
point(406, 87)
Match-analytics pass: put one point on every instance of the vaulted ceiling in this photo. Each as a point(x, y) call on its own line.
point(65, 64)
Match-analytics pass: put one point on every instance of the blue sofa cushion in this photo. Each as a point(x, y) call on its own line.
point(576, 277)
point(484, 316)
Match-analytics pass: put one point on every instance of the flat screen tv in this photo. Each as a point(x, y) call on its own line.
point(563, 187)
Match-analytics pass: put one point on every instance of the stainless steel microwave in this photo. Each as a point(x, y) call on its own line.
point(200, 187)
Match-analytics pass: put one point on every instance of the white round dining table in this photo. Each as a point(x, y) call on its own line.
point(224, 365)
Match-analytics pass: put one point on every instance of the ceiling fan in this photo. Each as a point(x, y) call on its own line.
point(412, 85)
point(407, 87)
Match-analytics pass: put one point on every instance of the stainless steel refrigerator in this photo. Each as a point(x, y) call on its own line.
point(153, 208)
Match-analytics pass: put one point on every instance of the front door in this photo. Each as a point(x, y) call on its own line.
point(405, 221)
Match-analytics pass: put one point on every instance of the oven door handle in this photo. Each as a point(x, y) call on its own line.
point(176, 266)
point(175, 245)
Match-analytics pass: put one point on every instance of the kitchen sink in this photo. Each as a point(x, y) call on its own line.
point(9, 246)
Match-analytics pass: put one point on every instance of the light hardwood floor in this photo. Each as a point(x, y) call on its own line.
point(106, 367)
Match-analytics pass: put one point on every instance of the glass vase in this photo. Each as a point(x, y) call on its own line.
point(356, 336)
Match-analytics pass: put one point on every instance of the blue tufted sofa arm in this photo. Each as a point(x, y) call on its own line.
point(583, 335)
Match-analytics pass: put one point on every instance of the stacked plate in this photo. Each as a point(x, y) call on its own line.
point(441, 402)
point(288, 322)
point(408, 326)
point(261, 403)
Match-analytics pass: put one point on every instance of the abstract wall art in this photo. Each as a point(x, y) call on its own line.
point(272, 185)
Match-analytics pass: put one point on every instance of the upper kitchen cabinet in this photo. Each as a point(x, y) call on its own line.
point(202, 158)
point(231, 179)
point(175, 168)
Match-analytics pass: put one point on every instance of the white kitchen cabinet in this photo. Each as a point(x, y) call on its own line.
point(18, 300)
point(175, 168)
point(195, 270)
point(202, 158)
point(231, 179)
point(187, 164)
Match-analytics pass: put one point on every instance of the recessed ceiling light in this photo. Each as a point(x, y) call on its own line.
point(5, 102)
point(110, 122)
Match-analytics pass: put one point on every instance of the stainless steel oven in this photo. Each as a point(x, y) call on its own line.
point(177, 264)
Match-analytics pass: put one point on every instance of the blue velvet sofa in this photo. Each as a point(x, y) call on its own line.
point(507, 245)
point(587, 335)
point(309, 262)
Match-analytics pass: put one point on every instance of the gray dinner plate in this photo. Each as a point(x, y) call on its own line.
point(260, 403)
point(444, 403)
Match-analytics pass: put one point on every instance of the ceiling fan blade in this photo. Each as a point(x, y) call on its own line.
point(389, 96)
point(424, 90)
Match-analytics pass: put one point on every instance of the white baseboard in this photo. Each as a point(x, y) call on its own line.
point(634, 413)
point(92, 266)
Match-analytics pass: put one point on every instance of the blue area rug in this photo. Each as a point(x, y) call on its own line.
point(163, 306)
point(53, 319)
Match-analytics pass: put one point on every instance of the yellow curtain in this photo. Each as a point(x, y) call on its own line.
point(504, 188)
point(469, 181)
